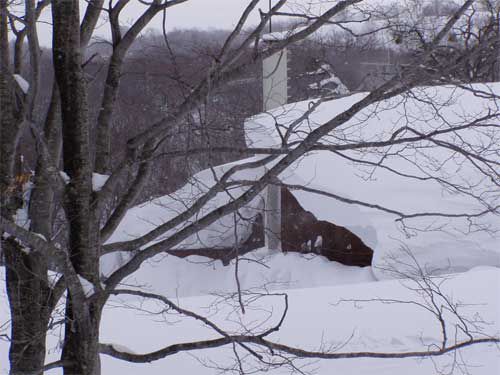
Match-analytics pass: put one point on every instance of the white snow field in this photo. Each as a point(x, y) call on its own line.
point(315, 321)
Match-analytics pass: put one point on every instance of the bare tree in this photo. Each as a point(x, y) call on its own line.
point(88, 223)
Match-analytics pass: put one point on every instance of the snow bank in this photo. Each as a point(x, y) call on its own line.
point(195, 275)
point(316, 320)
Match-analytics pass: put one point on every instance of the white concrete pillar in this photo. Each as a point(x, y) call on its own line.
point(274, 94)
point(275, 80)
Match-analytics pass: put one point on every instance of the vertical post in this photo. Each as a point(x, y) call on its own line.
point(275, 94)
point(270, 18)
point(275, 80)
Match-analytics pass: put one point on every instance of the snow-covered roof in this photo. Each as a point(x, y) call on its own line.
point(143, 218)
point(424, 109)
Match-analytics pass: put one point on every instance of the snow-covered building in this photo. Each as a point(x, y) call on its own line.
point(347, 202)
point(367, 191)
point(363, 194)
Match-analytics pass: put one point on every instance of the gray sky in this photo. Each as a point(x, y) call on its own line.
point(204, 14)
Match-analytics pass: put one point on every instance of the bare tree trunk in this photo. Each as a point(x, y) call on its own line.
point(80, 350)
point(26, 272)
point(9, 124)
point(81, 342)
point(42, 202)
point(28, 293)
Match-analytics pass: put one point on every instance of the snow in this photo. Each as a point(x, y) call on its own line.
point(121, 348)
point(467, 260)
point(65, 177)
point(21, 217)
point(98, 181)
point(443, 244)
point(196, 275)
point(53, 277)
point(143, 218)
point(317, 319)
point(23, 84)
point(340, 88)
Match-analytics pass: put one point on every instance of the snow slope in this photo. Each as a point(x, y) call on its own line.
point(143, 218)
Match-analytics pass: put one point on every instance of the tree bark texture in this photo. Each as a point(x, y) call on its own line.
point(80, 348)
point(28, 293)
point(26, 271)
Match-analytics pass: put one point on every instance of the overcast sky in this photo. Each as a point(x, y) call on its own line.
point(204, 14)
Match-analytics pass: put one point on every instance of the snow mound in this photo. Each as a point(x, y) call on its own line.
point(196, 275)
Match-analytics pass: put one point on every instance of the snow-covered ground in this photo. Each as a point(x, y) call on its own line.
point(196, 276)
point(315, 321)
